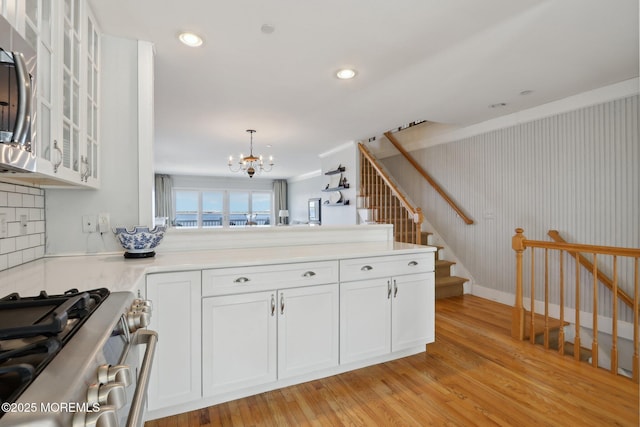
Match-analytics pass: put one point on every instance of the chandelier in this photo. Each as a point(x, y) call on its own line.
point(251, 164)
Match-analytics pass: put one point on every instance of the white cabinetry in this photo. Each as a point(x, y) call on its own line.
point(284, 325)
point(307, 329)
point(176, 371)
point(238, 341)
point(386, 305)
point(67, 40)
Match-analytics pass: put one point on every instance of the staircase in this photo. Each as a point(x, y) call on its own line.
point(382, 201)
point(446, 285)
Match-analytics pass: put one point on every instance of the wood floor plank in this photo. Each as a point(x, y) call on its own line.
point(474, 374)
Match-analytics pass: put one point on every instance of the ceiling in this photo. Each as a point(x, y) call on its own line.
point(435, 60)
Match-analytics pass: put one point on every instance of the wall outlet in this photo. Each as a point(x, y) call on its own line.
point(103, 222)
point(23, 224)
point(89, 223)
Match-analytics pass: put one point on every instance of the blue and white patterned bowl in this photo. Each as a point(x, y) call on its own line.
point(140, 240)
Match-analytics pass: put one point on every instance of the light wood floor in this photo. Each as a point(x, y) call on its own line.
point(474, 374)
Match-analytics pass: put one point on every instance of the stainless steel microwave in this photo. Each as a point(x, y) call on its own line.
point(17, 101)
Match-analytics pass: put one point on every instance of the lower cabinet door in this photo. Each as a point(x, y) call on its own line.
point(413, 311)
point(365, 319)
point(175, 373)
point(307, 329)
point(238, 341)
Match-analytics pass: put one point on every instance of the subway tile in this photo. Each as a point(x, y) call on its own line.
point(28, 254)
point(22, 242)
point(9, 212)
point(14, 258)
point(39, 251)
point(28, 200)
point(7, 187)
point(22, 190)
point(13, 229)
point(3, 198)
point(15, 200)
point(4, 262)
point(7, 245)
point(35, 214)
point(34, 240)
point(39, 201)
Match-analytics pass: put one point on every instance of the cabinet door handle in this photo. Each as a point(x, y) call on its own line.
point(412, 263)
point(395, 288)
point(388, 289)
point(281, 303)
point(309, 274)
point(366, 268)
point(241, 280)
point(273, 305)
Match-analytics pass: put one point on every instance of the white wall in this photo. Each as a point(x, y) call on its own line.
point(299, 191)
point(119, 194)
point(347, 156)
point(577, 172)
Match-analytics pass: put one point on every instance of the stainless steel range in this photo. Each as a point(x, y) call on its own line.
point(75, 359)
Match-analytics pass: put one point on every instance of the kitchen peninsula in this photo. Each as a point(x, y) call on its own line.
point(243, 311)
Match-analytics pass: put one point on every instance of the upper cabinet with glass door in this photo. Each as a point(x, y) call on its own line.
point(67, 41)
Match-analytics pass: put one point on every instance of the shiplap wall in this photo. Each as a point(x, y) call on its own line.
point(576, 172)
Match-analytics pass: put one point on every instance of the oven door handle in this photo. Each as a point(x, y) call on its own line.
point(150, 339)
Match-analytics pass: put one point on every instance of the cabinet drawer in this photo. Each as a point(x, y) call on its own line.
point(385, 266)
point(223, 281)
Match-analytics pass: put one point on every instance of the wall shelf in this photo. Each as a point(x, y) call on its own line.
point(328, 190)
point(340, 169)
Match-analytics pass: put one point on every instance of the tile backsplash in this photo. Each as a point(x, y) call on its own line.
point(22, 229)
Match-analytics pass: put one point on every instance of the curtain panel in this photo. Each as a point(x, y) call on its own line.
point(164, 196)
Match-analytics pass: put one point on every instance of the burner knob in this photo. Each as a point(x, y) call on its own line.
point(107, 394)
point(137, 320)
point(114, 374)
point(106, 416)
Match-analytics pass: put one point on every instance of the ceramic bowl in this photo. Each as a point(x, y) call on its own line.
point(139, 242)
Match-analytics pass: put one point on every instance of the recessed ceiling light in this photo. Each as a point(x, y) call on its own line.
point(346, 74)
point(498, 105)
point(526, 92)
point(267, 29)
point(190, 39)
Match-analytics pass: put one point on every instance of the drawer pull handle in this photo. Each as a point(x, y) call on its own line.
point(366, 268)
point(395, 288)
point(273, 305)
point(412, 263)
point(241, 280)
point(388, 289)
point(309, 274)
point(281, 303)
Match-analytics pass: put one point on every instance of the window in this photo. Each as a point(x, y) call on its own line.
point(222, 208)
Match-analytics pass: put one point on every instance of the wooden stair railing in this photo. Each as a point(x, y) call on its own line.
point(384, 197)
point(520, 243)
point(428, 178)
point(603, 278)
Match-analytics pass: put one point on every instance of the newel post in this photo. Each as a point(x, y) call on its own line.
point(517, 319)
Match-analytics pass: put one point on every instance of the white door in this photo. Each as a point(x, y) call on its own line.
point(413, 311)
point(365, 319)
point(238, 341)
point(307, 329)
point(175, 373)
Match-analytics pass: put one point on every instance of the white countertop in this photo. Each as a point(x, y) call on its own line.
point(113, 271)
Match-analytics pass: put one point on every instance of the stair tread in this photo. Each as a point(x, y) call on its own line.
point(450, 281)
point(444, 263)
